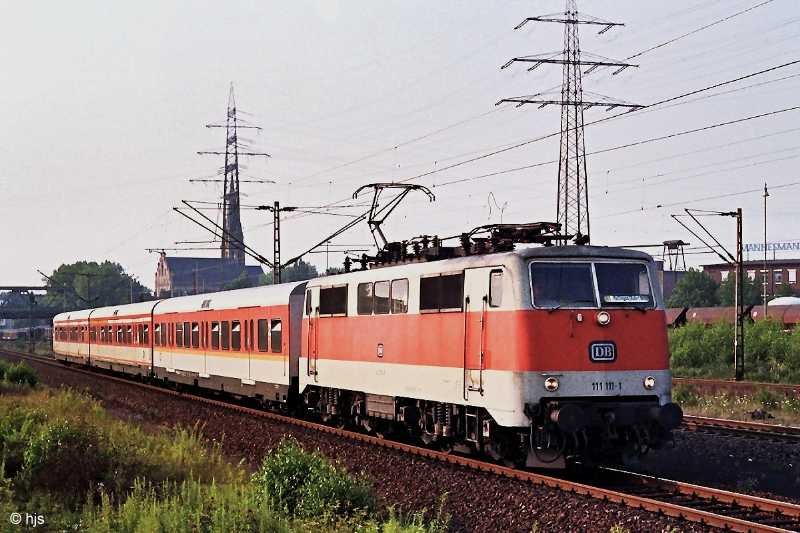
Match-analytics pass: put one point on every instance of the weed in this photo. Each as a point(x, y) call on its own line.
point(685, 395)
point(306, 484)
point(20, 374)
point(767, 398)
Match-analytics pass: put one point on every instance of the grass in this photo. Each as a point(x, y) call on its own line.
point(63, 455)
point(784, 410)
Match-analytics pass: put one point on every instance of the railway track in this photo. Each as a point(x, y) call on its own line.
point(742, 387)
point(709, 506)
point(742, 428)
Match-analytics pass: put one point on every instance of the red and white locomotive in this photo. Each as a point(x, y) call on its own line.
point(535, 356)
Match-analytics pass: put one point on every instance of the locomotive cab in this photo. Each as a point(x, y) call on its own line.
point(598, 348)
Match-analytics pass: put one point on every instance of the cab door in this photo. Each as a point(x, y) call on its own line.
point(476, 306)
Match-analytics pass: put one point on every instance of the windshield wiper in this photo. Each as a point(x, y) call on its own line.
point(550, 310)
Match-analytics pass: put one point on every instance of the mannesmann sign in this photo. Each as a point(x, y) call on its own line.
point(773, 246)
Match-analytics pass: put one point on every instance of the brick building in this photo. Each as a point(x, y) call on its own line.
point(179, 276)
point(780, 273)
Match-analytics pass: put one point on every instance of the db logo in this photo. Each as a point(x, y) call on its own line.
point(603, 352)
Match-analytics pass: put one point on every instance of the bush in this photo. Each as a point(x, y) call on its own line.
point(307, 485)
point(21, 374)
point(64, 456)
point(3, 369)
point(697, 350)
point(771, 354)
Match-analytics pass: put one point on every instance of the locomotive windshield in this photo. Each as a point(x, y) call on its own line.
point(556, 285)
point(623, 284)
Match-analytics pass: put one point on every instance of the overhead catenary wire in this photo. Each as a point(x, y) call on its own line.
point(702, 199)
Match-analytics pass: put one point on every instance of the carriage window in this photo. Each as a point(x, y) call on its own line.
point(333, 301)
point(382, 297)
point(215, 335)
point(236, 335)
point(157, 335)
point(186, 335)
point(195, 335)
point(364, 299)
point(442, 293)
point(179, 334)
point(163, 334)
point(129, 335)
point(262, 335)
point(276, 334)
point(140, 334)
point(496, 288)
point(146, 334)
point(400, 296)
point(562, 285)
point(93, 334)
point(623, 284)
point(226, 335)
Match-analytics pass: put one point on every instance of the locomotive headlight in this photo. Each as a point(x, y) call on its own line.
point(603, 318)
point(649, 382)
point(551, 384)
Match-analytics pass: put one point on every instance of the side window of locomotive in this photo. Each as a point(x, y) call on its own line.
point(178, 334)
point(429, 289)
point(381, 290)
point(226, 334)
point(443, 292)
point(562, 285)
point(236, 335)
point(262, 335)
point(495, 288)
point(400, 296)
point(215, 335)
point(195, 335)
point(452, 298)
point(308, 303)
point(623, 284)
point(364, 298)
point(333, 300)
point(276, 336)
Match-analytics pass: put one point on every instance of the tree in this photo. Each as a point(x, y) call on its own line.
point(695, 289)
point(299, 271)
point(784, 290)
point(85, 284)
point(726, 291)
point(242, 281)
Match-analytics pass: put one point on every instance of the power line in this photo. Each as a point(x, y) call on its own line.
point(627, 145)
point(697, 30)
point(520, 144)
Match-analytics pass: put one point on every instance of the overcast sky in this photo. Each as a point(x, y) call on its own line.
point(103, 108)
